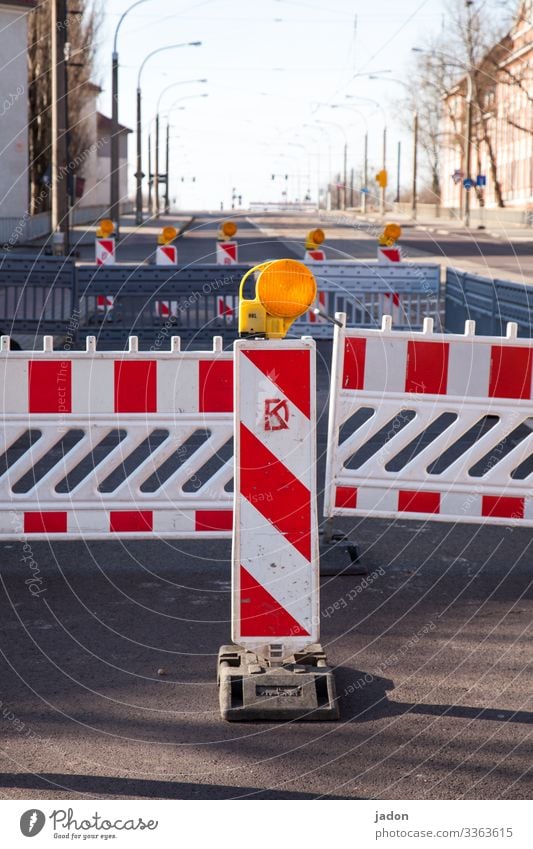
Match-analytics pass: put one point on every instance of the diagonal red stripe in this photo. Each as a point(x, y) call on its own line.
point(262, 615)
point(290, 371)
point(275, 492)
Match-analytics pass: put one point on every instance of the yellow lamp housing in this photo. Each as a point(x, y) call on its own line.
point(314, 239)
point(227, 230)
point(391, 233)
point(167, 236)
point(105, 229)
point(284, 290)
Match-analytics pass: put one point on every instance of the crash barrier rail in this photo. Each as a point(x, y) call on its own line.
point(490, 303)
point(368, 291)
point(195, 302)
point(98, 444)
point(37, 294)
point(430, 426)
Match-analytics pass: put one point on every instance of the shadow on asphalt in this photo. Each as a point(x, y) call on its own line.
point(88, 785)
point(363, 698)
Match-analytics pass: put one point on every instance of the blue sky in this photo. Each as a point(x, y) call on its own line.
point(269, 66)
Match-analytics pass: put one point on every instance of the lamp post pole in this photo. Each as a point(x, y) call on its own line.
point(364, 194)
point(415, 167)
point(398, 171)
point(167, 184)
point(383, 190)
point(157, 133)
point(114, 206)
point(468, 163)
point(139, 173)
point(59, 152)
point(156, 171)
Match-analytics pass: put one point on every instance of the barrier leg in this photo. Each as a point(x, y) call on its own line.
point(276, 669)
point(339, 555)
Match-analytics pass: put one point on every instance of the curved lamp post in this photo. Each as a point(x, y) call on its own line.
point(167, 156)
point(139, 173)
point(114, 206)
point(156, 171)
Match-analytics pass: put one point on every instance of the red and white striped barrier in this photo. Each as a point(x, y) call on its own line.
point(431, 414)
point(166, 255)
point(104, 250)
point(227, 253)
point(315, 255)
point(152, 410)
point(392, 306)
point(275, 538)
point(104, 303)
point(388, 255)
point(166, 309)
point(226, 309)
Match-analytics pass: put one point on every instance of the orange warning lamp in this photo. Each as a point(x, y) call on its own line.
point(391, 234)
point(314, 239)
point(105, 228)
point(284, 290)
point(167, 236)
point(227, 230)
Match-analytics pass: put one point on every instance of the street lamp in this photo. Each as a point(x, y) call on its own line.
point(156, 173)
point(345, 160)
point(324, 133)
point(139, 174)
point(383, 190)
point(415, 148)
point(115, 141)
point(365, 159)
point(467, 70)
point(173, 108)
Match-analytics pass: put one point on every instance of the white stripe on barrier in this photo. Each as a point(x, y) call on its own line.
point(98, 443)
point(428, 425)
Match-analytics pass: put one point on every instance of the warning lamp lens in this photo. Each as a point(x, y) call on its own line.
point(286, 288)
point(317, 236)
point(169, 234)
point(392, 231)
point(229, 228)
point(106, 226)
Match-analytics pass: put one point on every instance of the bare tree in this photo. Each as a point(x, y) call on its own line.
point(81, 29)
point(430, 79)
point(472, 44)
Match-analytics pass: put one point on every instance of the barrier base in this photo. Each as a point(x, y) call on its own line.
point(301, 689)
point(339, 555)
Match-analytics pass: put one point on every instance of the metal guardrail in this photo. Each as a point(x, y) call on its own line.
point(37, 294)
point(490, 303)
point(51, 295)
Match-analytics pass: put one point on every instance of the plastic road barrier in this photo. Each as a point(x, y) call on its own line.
point(430, 426)
point(101, 444)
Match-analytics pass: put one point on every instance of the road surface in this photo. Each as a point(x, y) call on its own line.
point(108, 677)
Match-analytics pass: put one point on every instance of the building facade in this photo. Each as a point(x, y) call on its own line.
point(502, 126)
point(14, 107)
point(95, 169)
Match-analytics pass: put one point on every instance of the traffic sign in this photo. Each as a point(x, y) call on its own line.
point(468, 183)
point(481, 180)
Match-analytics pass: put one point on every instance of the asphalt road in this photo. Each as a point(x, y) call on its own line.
point(432, 657)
